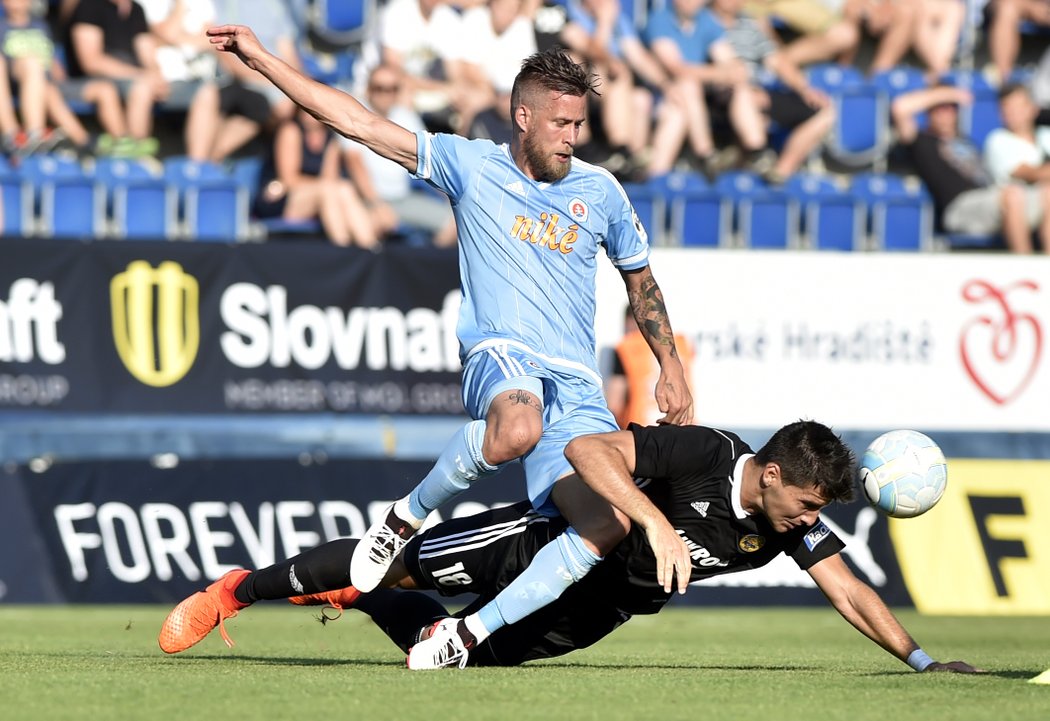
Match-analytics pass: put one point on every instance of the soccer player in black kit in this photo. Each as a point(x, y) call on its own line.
point(702, 503)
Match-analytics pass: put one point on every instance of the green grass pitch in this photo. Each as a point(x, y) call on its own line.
point(90, 662)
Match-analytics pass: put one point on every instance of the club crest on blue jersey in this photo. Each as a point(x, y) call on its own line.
point(818, 534)
point(751, 543)
point(579, 210)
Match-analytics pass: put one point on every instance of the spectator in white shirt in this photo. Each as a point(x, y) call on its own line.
point(384, 185)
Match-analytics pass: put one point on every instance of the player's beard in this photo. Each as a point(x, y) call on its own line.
point(542, 163)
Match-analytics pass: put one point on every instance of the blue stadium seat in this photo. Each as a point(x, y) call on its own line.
point(69, 201)
point(877, 185)
point(17, 201)
point(903, 223)
point(733, 186)
point(39, 169)
point(769, 221)
point(899, 80)
point(901, 217)
point(73, 208)
point(697, 214)
point(649, 206)
point(862, 128)
point(113, 171)
point(247, 171)
point(330, 68)
point(280, 226)
point(340, 23)
point(184, 173)
point(861, 133)
point(217, 210)
point(982, 117)
point(764, 217)
point(832, 219)
point(145, 209)
point(833, 78)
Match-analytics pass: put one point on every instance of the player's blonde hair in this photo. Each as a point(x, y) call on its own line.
point(551, 69)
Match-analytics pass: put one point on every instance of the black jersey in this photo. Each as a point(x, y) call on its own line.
point(693, 475)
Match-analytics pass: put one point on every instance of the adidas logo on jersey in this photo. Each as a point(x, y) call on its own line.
point(701, 507)
point(515, 187)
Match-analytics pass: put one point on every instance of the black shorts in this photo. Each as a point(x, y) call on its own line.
point(237, 99)
point(481, 554)
point(786, 107)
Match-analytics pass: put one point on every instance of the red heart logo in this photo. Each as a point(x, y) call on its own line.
point(991, 345)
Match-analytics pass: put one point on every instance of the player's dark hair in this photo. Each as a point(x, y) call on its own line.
point(811, 455)
point(552, 69)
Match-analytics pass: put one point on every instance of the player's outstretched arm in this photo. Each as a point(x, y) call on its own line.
point(861, 606)
point(605, 462)
point(339, 111)
point(673, 397)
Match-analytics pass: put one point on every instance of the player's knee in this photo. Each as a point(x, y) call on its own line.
point(505, 441)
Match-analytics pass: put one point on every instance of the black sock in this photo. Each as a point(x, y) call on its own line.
point(324, 568)
point(401, 614)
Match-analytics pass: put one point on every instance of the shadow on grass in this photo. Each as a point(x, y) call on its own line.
point(278, 661)
point(533, 667)
point(1022, 675)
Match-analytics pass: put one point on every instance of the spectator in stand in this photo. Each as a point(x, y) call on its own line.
point(965, 199)
point(385, 186)
point(808, 113)
point(183, 52)
point(628, 387)
point(502, 34)
point(424, 39)
point(930, 28)
point(301, 181)
point(227, 114)
point(1004, 31)
point(599, 33)
point(938, 29)
point(689, 42)
point(27, 54)
point(824, 33)
point(110, 39)
point(1019, 152)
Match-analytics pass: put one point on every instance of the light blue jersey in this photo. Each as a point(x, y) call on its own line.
point(528, 250)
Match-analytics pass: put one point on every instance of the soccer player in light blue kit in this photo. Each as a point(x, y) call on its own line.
point(531, 221)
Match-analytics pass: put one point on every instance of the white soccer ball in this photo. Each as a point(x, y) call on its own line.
point(904, 474)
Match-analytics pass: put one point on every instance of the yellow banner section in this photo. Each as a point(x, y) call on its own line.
point(985, 548)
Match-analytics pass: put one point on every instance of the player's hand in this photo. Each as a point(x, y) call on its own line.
point(952, 667)
point(239, 40)
point(672, 556)
point(673, 398)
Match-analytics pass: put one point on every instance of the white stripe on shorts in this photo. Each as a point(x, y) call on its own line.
point(510, 366)
point(477, 538)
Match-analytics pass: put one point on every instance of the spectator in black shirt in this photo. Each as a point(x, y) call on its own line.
point(111, 39)
point(950, 165)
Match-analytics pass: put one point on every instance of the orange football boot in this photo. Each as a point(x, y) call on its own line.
point(338, 599)
point(194, 618)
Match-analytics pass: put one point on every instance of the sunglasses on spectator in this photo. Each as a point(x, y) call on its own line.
point(384, 88)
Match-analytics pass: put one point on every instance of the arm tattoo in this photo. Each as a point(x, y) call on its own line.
point(647, 303)
point(520, 397)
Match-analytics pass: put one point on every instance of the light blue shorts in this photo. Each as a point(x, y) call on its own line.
point(572, 406)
